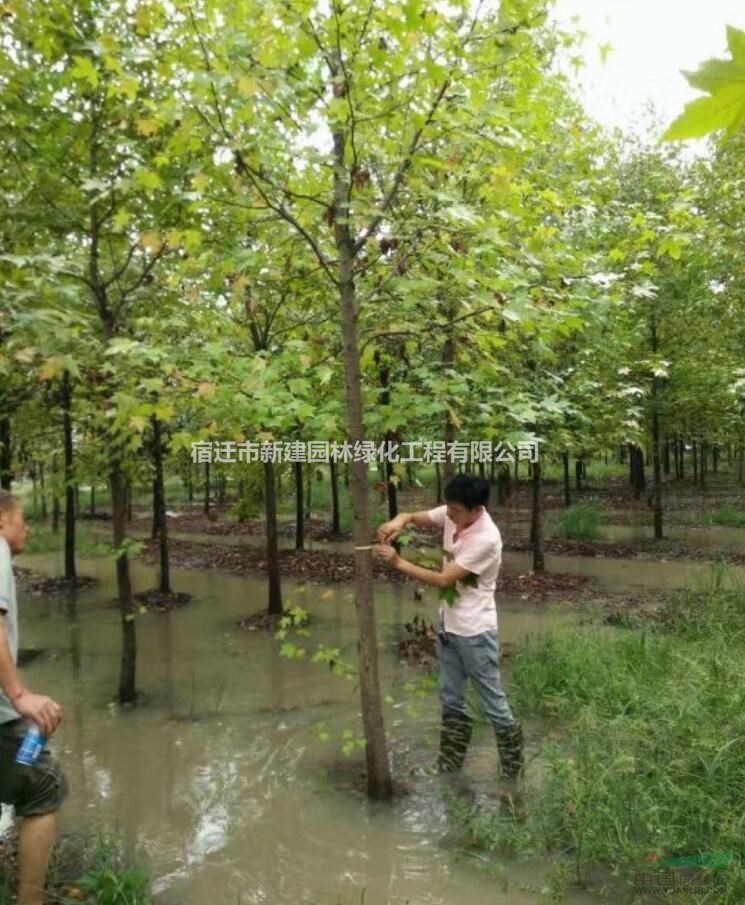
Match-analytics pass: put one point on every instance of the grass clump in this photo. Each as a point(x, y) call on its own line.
point(646, 752)
point(91, 871)
point(579, 522)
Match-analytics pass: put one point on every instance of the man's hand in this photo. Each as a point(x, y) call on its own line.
point(46, 713)
point(388, 554)
point(390, 530)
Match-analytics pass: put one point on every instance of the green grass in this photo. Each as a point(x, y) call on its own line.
point(43, 540)
point(578, 522)
point(727, 516)
point(646, 752)
point(101, 875)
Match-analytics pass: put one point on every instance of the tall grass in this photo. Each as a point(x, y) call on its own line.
point(647, 751)
point(578, 522)
point(726, 516)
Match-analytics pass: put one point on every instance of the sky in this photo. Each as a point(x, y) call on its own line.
point(651, 40)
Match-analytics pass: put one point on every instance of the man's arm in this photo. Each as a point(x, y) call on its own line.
point(10, 681)
point(391, 530)
point(448, 576)
point(38, 708)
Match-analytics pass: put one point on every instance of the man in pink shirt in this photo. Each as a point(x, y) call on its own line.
point(467, 646)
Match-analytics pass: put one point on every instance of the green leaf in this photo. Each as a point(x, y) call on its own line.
point(85, 70)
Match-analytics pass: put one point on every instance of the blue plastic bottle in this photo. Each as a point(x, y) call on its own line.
point(31, 747)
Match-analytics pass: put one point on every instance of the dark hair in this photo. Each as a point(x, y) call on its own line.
point(8, 503)
point(468, 489)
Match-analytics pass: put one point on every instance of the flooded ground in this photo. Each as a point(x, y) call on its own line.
point(218, 784)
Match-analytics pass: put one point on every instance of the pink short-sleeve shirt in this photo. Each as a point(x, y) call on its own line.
point(478, 549)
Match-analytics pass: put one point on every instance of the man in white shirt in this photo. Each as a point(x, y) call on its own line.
point(37, 790)
point(467, 646)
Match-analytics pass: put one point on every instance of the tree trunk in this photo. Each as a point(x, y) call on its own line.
point(66, 395)
point(682, 459)
point(6, 454)
point(127, 685)
point(156, 508)
point(636, 465)
point(379, 783)
point(448, 364)
point(694, 456)
point(657, 468)
point(536, 521)
point(206, 503)
point(666, 457)
point(160, 517)
point(92, 502)
point(438, 483)
point(55, 496)
point(703, 464)
point(567, 485)
point(715, 458)
point(43, 491)
point(299, 507)
point(335, 513)
point(308, 491)
point(578, 472)
point(274, 606)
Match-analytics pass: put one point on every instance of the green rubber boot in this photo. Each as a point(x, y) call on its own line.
point(455, 736)
point(510, 745)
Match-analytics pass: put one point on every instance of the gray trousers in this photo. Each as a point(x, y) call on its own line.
point(476, 658)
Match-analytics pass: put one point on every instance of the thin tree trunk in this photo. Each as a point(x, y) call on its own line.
point(567, 484)
point(299, 508)
point(536, 521)
point(274, 606)
point(379, 782)
point(636, 470)
point(335, 513)
point(448, 364)
point(703, 464)
point(160, 515)
point(206, 504)
point(6, 454)
point(92, 499)
point(657, 471)
point(127, 681)
point(70, 508)
point(156, 507)
point(55, 496)
point(578, 474)
point(694, 456)
point(438, 483)
point(44, 512)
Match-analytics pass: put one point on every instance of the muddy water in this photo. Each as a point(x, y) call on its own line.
point(218, 785)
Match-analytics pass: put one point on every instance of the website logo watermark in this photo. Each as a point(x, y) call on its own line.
point(690, 875)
